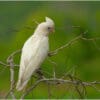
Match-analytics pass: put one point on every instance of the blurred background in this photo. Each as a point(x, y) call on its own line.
point(82, 58)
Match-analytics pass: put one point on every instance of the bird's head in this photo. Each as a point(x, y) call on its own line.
point(46, 27)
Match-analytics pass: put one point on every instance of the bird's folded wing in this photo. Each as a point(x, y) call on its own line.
point(29, 50)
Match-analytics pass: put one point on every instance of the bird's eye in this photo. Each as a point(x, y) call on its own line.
point(49, 28)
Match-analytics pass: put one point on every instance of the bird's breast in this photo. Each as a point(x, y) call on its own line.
point(44, 46)
point(35, 49)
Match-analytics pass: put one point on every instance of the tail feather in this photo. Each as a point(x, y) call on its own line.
point(21, 85)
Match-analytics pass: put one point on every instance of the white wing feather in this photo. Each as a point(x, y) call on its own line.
point(33, 54)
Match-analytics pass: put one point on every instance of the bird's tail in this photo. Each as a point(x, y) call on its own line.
point(21, 85)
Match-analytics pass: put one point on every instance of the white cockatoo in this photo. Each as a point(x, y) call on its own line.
point(34, 51)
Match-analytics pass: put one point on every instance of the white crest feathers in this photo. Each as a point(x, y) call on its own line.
point(49, 20)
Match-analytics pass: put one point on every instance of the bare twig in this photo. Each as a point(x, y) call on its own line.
point(54, 65)
point(52, 53)
point(36, 22)
point(64, 46)
point(4, 64)
point(49, 91)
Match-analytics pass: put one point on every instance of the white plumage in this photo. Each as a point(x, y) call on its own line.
point(34, 52)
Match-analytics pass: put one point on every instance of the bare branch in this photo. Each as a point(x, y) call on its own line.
point(4, 64)
point(64, 46)
point(10, 61)
point(11, 57)
point(52, 53)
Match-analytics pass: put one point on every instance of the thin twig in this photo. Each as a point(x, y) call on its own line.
point(64, 46)
point(49, 91)
point(4, 64)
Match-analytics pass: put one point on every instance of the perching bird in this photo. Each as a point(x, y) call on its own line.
point(34, 52)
